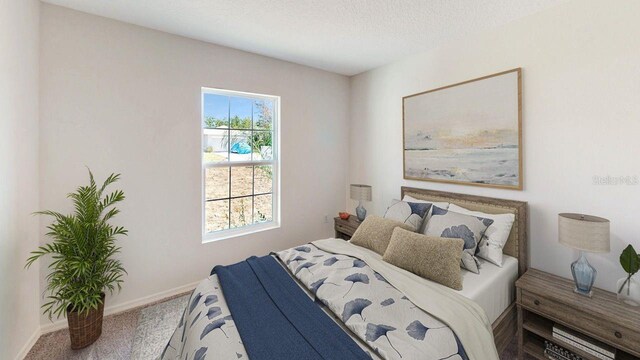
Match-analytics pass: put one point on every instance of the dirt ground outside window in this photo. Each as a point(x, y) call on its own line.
point(247, 209)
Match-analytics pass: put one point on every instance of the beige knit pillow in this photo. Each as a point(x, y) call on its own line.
point(432, 258)
point(375, 233)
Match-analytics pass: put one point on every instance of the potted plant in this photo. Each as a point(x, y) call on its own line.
point(628, 287)
point(83, 268)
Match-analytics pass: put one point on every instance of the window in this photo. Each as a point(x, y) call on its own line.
point(239, 163)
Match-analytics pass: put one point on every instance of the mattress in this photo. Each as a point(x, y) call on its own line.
point(494, 288)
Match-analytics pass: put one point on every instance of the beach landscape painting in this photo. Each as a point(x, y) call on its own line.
point(466, 133)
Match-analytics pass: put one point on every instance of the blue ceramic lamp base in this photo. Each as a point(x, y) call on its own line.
point(361, 212)
point(584, 275)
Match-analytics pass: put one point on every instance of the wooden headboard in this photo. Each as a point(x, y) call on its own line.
point(516, 245)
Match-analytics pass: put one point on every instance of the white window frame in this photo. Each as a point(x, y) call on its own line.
point(274, 162)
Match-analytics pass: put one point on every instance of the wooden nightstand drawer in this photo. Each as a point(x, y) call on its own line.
point(345, 228)
point(590, 324)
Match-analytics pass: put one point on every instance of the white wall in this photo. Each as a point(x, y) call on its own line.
point(581, 117)
point(19, 289)
point(121, 98)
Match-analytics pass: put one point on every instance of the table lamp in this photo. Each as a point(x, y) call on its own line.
point(588, 234)
point(361, 193)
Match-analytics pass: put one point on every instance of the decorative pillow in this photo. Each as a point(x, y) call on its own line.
point(408, 212)
point(432, 258)
point(449, 224)
point(375, 233)
point(441, 205)
point(496, 236)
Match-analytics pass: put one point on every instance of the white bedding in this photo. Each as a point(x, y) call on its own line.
point(464, 316)
point(207, 322)
point(494, 288)
point(382, 310)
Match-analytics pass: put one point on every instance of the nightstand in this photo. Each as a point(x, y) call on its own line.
point(346, 228)
point(544, 300)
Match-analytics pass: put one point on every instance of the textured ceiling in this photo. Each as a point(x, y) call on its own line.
point(343, 36)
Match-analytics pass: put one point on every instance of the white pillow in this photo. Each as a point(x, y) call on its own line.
point(494, 239)
point(441, 205)
point(410, 213)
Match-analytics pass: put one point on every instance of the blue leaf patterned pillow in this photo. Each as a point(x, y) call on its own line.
point(409, 213)
point(450, 224)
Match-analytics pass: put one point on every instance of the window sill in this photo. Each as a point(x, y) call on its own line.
point(233, 233)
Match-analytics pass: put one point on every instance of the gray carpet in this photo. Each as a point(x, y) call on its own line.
point(155, 326)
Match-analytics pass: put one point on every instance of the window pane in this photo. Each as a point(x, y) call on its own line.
point(262, 208)
point(262, 179)
point(216, 184)
point(216, 215)
point(212, 122)
point(241, 181)
point(238, 142)
point(261, 142)
point(214, 146)
point(216, 111)
point(263, 114)
point(240, 147)
point(240, 112)
point(241, 212)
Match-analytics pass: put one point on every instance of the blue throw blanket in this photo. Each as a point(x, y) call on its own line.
point(276, 319)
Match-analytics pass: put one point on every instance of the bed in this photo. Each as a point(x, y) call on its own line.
point(505, 325)
point(357, 290)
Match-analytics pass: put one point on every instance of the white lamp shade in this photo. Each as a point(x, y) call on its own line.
point(584, 232)
point(360, 192)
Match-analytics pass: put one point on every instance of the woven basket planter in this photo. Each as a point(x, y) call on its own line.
point(85, 328)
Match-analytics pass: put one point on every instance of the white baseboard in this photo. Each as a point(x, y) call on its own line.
point(128, 305)
point(32, 341)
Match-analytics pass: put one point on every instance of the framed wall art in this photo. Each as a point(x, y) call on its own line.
point(466, 133)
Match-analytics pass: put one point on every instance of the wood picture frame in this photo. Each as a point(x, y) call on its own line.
point(487, 156)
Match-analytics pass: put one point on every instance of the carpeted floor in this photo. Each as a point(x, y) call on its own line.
point(155, 326)
point(138, 334)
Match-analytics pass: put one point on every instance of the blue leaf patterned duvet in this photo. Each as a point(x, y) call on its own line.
point(384, 322)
